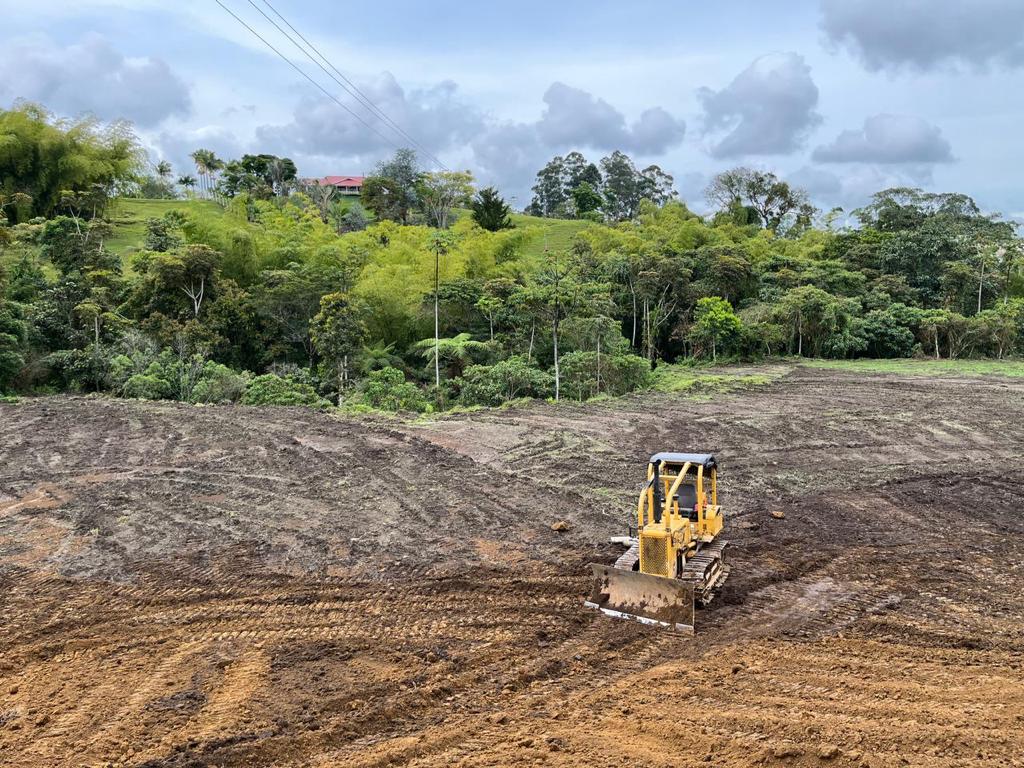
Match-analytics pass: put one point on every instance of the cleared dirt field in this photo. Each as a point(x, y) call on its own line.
point(225, 586)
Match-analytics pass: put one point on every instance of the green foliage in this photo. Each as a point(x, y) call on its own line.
point(13, 333)
point(589, 374)
point(387, 390)
point(490, 211)
point(42, 158)
point(259, 176)
point(715, 325)
point(189, 299)
point(504, 381)
point(219, 384)
point(271, 389)
point(338, 333)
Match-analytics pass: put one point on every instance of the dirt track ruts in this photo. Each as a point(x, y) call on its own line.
point(230, 586)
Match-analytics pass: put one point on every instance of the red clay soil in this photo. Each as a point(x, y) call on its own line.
point(228, 586)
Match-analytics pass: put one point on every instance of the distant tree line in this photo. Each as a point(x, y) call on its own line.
point(271, 299)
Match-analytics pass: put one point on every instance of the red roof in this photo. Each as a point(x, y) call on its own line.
point(342, 181)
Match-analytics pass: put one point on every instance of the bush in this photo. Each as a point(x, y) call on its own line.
point(219, 384)
point(887, 335)
point(619, 374)
point(147, 386)
point(504, 381)
point(271, 389)
point(388, 390)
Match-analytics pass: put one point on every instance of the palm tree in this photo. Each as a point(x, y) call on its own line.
point(187, 182)
point(207, 163)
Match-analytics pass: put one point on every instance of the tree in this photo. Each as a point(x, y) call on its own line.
point(578, 170)
point(207, 166)
point(187, 181)
point(13, 332)
point(623, 189)
point(322, 196)
point(715, 323)
point(549, 194)
point(442, 191)
point(391, 191)
point(260, 176)
point(43, 158)
point(354, 219)
point(440, 244)
point(586, 199)
point(769, 197)
point(457, 352)
point(163, 170)
point(490, 210)
point(504, 381)
point(338, 333)
point(656, 185)
point(388, 390)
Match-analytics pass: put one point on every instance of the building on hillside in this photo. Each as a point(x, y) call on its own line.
point(346, 185)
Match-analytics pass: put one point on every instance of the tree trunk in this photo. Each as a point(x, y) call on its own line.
point(533, 331)
point(599, 363)
point(936, 343)
point(554, 339)
point(981, 283)
point(714, 351)
point(437, 325)
point(632, 341)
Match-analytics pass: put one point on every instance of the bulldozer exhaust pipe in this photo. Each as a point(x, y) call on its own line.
point(654, 600)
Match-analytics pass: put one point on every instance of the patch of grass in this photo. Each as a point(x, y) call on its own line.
point(554, 234)
point(922, 367)
point(691, 381)
point(129, 217)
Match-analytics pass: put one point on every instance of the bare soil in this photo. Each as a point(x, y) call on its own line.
point(229, 586)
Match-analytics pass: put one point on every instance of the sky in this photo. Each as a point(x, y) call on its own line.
point(841, 97)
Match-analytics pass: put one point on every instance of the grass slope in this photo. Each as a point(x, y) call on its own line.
point(129, 218)
point(920, 367)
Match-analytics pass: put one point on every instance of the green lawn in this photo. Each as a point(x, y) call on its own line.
point(129, 218)
point(554, 234)
point(925, 367)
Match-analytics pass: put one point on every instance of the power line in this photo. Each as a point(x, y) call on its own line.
point(302, 72)
point(348, 85)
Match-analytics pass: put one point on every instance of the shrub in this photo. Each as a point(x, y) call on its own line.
point(219, 384)
point(619, 374)
point(271, 389)
point(147, 386)
point(504, 381)
point(388, 390)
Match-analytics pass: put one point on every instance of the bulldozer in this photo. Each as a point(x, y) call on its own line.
point(675, 557)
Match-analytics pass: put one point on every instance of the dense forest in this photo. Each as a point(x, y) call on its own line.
point(261, 287)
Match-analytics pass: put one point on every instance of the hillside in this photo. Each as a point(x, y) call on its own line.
point(129, 216)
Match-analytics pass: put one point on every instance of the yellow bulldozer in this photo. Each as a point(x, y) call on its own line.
point(675, 558)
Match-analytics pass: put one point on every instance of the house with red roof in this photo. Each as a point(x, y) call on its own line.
point(346, 185)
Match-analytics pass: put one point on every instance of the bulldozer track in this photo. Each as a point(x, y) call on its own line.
point(276, 587)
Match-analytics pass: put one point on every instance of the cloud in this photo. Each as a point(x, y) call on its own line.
point(923, 34)
point(576, 118)
point(888, 139)
point(93, 77)
point(768, 108)
point(436, 118)
point(857, 183)
point(510, 153)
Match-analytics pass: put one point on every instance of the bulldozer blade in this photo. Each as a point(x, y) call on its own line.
point(642, 597)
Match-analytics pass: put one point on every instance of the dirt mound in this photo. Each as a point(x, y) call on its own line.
point(226, 586)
